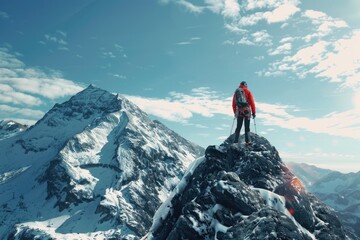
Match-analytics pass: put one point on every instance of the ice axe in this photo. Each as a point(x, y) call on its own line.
point(255, 125)
point(232, 126)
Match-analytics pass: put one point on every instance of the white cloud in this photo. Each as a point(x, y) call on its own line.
point(163, 108)
point(310, 55)
point(18, 82)
point(164, 1)
point(251, 20)
point(287, 39)
point(276, 109)
point(215, 6)
point(9, 95)
point(283, 49)
point(4, 15)
point(259, 58)
point(356, 99)
point(277, 11)
point(28, 86)
point(231, 8)
point(5, 88)
point(50, 86)
point(64, 34)
point(327, 27)
point(245, 41)
point(229, 42)
point(325, 24)
point(337, 124)
point(235, 28)
point(108, 54)
point(334, 61)
point(183, 43)
point(262, 38)
point(191, 7)
point(281, 13)
point(190, 41)
point(8, 60)
point(257, 4)
point(312, 14)
point(261, 4)
point(27, 112)
point(119, 76)
point(58, 38)
point(54, 39)
point(226, 8)
point(342, 64)
point(180, 107)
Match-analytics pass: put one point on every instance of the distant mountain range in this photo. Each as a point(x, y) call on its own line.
point(341, 191)
point(308, 174)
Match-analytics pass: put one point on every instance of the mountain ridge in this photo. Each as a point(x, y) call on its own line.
point(308, 174)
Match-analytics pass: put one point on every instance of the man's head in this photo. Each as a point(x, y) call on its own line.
point(243, 83)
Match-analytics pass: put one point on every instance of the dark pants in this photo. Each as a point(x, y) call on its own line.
point(240, 120)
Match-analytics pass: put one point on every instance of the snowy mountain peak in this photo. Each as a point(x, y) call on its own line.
point(86, 104)
point(243, 192)
point(95, 165)
point(94, 95)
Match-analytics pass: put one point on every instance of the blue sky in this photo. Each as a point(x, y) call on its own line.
point(181, 60)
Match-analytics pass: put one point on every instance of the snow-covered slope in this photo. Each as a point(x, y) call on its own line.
point(308, 174)
point(9, 128)
point(93, 167)
point(243, 192)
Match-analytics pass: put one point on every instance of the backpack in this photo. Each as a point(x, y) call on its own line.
point(240, 98)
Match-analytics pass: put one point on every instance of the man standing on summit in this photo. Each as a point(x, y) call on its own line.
point(244, 106)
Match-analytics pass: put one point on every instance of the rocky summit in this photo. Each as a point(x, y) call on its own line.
point(243, 192)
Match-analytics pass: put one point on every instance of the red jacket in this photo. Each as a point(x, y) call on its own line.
point(249, 98)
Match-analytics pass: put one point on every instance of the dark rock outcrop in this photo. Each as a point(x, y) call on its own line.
point(244, 192)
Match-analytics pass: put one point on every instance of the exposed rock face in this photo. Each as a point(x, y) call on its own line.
point(94, 166)
point(243, 192)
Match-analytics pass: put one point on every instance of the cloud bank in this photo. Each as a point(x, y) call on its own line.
point(22, 87)
point(180, 107)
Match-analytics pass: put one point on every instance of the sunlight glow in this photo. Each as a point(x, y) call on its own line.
point(356, 99)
